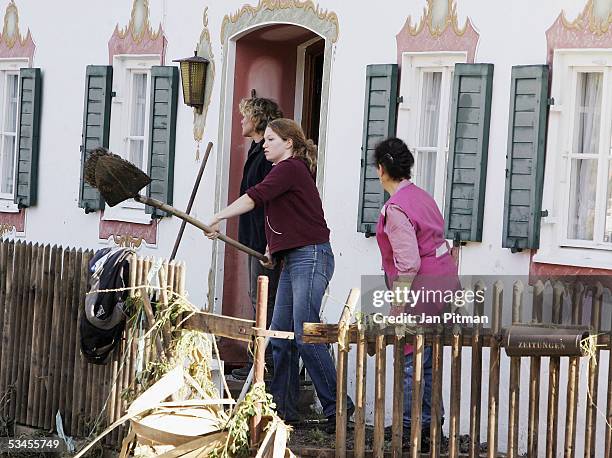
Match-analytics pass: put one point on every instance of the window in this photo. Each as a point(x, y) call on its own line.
point(10, 95)
point(578, 176)
point(137, 112)
point(130, 124)
point(9, 117)
point(424, 115)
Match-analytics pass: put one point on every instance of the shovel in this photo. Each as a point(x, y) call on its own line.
point(119, 180)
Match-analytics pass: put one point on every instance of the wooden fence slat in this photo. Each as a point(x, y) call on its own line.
point(4, 309)
point(417, 396)
point(494, 361)
point(437, 354)
point(553, 380)
point(397, 427)
point(453, 440)
point(573, 379)
point(28, 387)
point(515, 377)
point(56, 340)
point(67, 282)
point(79, 364)
point(534, 376)
point(476, 378)
point(379, 396)
point(24, 324)
point(590, 427)
point(48, 282)
point(8, 331)
point(360, 396)
point(36, 375)
point(17, 295)
point(608, 439)
point(71, 310)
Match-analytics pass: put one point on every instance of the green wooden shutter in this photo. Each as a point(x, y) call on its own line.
point(379, 120)
point(96, 126)
point(162, 131)
point(469, 145)
point(30, 85)
point(525, 157)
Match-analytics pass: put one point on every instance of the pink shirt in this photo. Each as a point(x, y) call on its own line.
point(403, 238)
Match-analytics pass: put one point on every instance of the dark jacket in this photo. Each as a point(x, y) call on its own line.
point(251, 225)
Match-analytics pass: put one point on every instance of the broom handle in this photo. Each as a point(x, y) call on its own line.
point(191, 200)
point(190, 219)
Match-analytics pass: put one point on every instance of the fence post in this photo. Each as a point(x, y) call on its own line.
point(417, 395)
point(379, 396)
point(494, 359)
point(573, 377)
point(534, 377)
point(341, 374)
point(398, 396)
point(360, 395)
point(476, 391)
point(260, 352)
point(515, 376)
point(553, 380)
point(591, 411)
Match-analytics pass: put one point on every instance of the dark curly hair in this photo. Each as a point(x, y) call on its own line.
point(395, 157)
point(261, 111)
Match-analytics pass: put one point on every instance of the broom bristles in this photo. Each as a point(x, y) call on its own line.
point(89, 171)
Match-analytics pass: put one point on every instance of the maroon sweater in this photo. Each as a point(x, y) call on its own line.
point(293, 210)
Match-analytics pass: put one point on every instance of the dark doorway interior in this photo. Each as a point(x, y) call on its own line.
point(313, 83)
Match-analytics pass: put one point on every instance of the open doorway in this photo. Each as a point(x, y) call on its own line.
point(284, 63)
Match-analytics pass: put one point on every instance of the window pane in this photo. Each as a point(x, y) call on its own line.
point(139, 102)
point(136, 149)
point(583, 190)
point(588, 113)
point(430, 108)
point(8, 160)
point(608, 222)
point(10, 124)
point(425, 171)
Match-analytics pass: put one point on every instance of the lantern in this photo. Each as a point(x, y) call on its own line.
point(193, 75)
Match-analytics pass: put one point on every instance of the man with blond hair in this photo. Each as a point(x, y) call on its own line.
point(256, 113)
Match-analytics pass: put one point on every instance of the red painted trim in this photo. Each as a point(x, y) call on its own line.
point(149, 44)
point(17, 220)
point(448, 40)
point(20, 49)
point(587, 275)
point(148, 232)
point(558, 36)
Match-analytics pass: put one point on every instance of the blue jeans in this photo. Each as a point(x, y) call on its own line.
point(426, 388)
point(306, 273)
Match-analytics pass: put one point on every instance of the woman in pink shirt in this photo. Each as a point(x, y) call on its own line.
point(410, 235)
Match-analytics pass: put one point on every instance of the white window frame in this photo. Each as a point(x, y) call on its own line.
point(124, 67)
point(555, 246)
point(414, 65)
point(10, 66)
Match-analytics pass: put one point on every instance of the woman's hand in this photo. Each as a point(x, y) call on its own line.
point(214, 226)
point(271, 262)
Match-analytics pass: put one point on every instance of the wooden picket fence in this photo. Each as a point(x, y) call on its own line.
point(570, 299)
point(42, 292)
